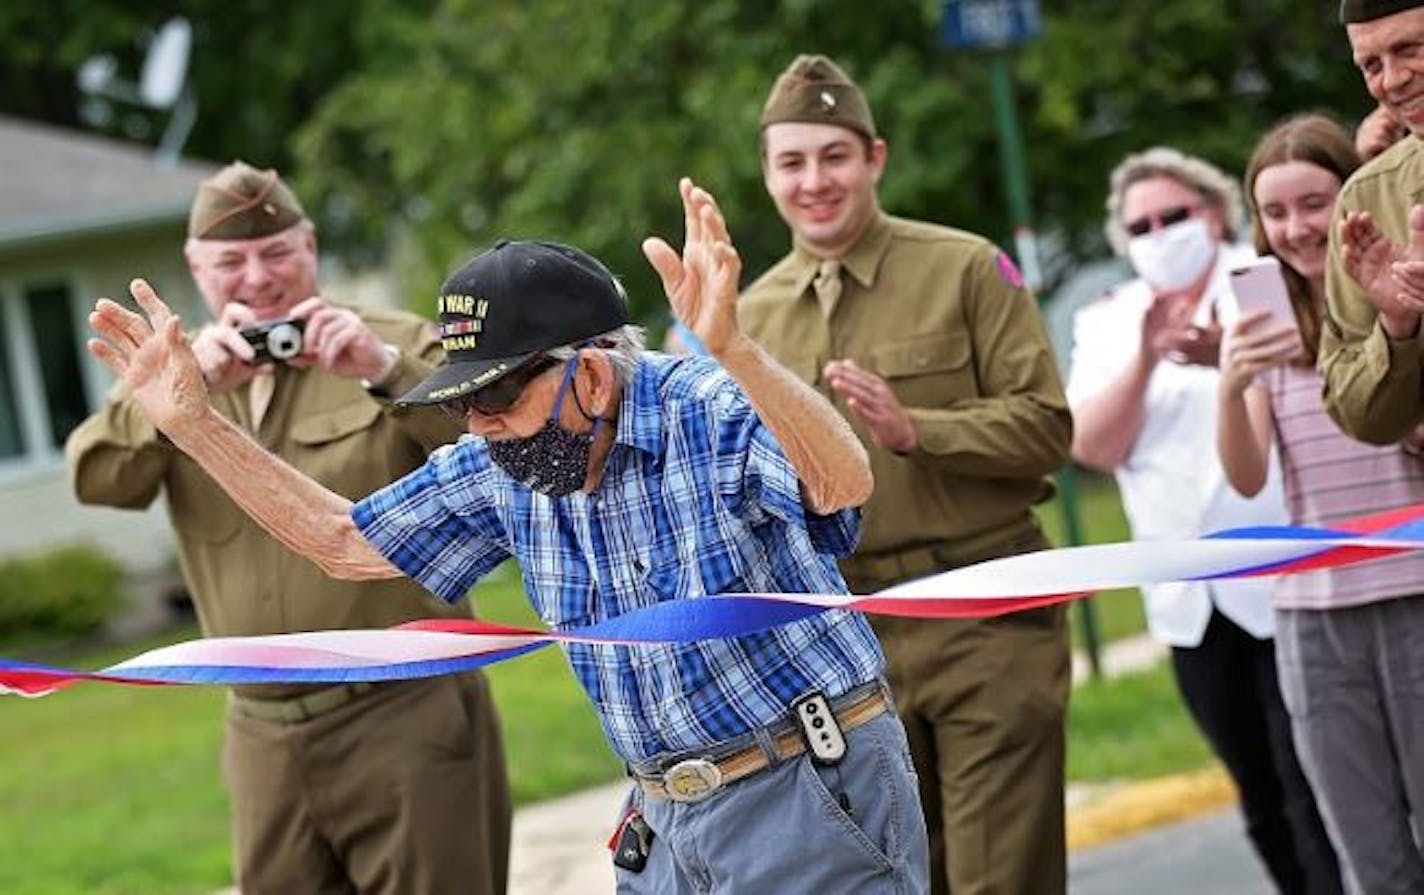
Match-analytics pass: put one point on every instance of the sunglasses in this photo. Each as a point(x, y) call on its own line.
point(1144, 225)
point(498, 396)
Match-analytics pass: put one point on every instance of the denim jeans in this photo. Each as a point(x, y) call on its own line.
point(796, 827)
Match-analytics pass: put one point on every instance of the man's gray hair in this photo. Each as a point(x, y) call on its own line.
point(1201, 177)
point(623, 345)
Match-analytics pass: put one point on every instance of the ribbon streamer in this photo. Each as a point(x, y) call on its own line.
point(433, 647)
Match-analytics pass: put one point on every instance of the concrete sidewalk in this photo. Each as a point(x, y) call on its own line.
point(560, 846)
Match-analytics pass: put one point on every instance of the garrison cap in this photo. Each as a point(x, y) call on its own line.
point(813, 89)
point(1352, 11)
point(241, 202)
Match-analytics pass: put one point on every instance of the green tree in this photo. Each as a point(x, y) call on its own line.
point(572, 120)
point(425, 129)
point(258, 68)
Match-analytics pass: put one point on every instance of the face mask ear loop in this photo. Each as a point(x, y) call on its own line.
point(564, 384)
point(573, 390)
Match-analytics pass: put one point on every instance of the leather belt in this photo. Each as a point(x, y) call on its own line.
point(301, 708)
point(695, 779)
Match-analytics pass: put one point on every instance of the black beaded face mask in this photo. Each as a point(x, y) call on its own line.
point(552, 461)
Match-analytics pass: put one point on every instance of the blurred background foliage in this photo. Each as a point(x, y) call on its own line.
point(418, 131)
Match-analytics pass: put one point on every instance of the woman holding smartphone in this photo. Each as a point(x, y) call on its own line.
point(1348, 641)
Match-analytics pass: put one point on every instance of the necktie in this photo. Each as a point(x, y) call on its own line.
point(259, 394)
point(827, 284)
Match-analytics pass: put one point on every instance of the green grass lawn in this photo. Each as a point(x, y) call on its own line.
point(1132, 727)
point(111, 789)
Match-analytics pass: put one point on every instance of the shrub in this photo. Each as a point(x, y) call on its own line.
point(63, 592)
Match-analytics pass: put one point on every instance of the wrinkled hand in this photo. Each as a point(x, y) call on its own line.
point(702, 283)
point(339, 341)
point(151, 356)
point(1391, 275)
point(874, 403)
point(224, 356)
point(1251, 347)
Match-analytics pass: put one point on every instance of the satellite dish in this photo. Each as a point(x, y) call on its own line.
point(166, 64)
point(161, 87)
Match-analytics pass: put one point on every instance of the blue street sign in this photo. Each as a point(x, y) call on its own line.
point(988, 24)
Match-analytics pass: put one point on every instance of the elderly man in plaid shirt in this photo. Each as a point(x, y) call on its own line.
point(620, 478)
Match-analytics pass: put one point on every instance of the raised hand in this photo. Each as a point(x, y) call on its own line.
point(1378, 131)
point(152, 357)
point(1168, 331)
point(1386, 271)
point(702, 283)
point(875, 404)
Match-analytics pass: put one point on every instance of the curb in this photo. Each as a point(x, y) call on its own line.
point(1142, 805)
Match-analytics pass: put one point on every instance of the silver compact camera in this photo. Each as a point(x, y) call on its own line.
point(279, 340)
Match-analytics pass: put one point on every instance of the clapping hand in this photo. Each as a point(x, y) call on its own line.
point(1391, 275)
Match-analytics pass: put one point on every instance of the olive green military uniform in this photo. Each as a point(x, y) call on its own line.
point(363, 786)
point(1374, 387)
point(938, 314)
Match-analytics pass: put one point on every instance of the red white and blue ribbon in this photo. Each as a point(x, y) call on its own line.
point(434, 647)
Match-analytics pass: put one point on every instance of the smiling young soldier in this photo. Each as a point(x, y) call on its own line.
point(930, 345)
point(620, 479)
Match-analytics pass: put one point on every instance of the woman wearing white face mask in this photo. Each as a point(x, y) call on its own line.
point(1143, 389)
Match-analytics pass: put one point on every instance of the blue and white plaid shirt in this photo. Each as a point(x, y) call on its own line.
point(696, 499)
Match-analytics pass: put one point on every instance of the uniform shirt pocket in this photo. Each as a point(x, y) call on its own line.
point(344, 448)
point(333, 425)
point(928, 370)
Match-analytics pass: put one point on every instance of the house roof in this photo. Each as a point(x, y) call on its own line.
point(57, 183)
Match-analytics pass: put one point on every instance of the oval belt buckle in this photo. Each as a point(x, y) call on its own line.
point(692, 780)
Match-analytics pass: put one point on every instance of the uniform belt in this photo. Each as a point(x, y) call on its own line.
point(304, 707)
point(694, 779)
point(895, 566)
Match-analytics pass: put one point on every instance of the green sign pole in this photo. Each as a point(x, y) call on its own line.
point(1015, 174)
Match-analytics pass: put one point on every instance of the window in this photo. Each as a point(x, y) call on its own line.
point(52, 323)
point(12, 443)
point(42, 388)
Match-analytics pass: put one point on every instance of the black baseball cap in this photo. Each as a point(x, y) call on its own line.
point(509, 304)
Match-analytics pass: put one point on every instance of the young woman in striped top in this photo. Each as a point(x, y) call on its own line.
point(1350, 641)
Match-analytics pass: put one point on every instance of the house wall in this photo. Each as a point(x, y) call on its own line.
point(37, 509)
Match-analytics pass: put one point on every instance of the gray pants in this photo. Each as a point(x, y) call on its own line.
point(1353, 682)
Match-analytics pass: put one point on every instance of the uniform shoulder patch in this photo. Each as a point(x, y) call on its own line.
point(1007, 269)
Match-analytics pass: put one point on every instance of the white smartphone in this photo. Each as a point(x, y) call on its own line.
point(1260, 286)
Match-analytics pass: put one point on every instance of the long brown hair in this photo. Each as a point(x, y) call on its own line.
point(1320, 141)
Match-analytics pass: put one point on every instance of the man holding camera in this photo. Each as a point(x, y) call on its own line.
point(396, 787)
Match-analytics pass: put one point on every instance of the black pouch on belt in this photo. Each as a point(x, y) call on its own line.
point(632, 842)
